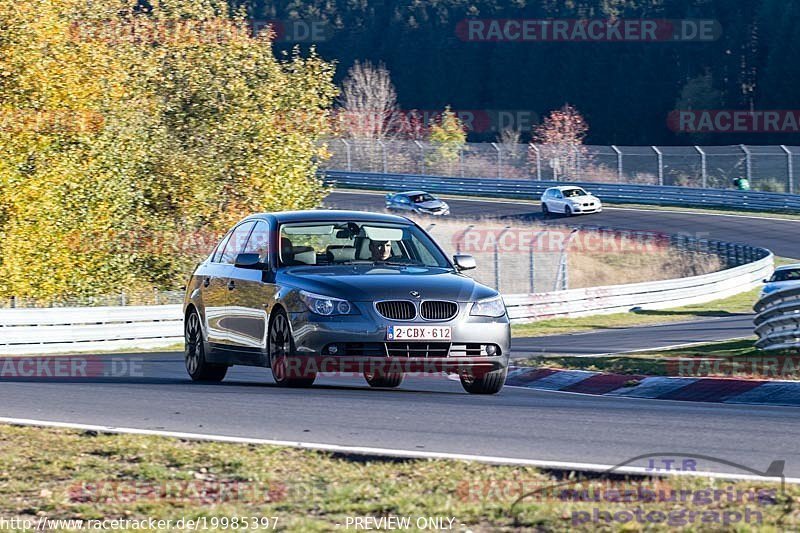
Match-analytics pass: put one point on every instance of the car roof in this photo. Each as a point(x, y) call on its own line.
point(330, 215)
point(793, 266)
point(412, 193)
point(567, 187)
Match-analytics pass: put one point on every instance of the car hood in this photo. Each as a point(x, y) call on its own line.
point(433, 204)
point(369, 283)
point(773, 286)
point(581, 199)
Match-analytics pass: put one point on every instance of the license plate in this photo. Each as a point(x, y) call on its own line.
point(418, 333)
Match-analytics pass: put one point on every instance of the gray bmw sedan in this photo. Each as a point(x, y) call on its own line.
point(342, 292)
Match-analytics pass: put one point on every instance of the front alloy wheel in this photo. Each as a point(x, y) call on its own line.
point(485, 383)
point(282, 357)
point(381, 379)
point(194, 353)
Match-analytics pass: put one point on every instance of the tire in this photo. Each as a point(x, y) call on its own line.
point(545, 209)
point(568, 211)
point(281, 350)
point(197, 366)
point(378, 379)
point(489, 383)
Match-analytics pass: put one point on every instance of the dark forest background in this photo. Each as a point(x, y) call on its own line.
point(625, 90)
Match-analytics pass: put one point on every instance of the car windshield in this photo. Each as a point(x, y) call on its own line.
point(571, 193)
point(348, 242)
point(420, 198)
point(786, 275)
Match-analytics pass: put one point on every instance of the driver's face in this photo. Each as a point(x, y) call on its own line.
point(381, 250)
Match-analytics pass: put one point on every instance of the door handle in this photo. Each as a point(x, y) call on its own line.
point(231, 285)
point(207, 282)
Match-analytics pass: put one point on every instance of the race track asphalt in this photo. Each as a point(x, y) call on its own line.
point(782, 236)
point(430, 414)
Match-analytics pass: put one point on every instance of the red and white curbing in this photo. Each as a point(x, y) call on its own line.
point(706, 389)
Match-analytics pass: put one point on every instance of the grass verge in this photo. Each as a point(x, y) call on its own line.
point(738, 304)
point(735, 358)
point(66, 474)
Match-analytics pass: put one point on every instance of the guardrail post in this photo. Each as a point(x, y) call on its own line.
point(562, 275)
point(421, 158)
point(463, 236)
point(660, 165)
point(383, 154)
point(703, 172)
point(122, 299)
point(577, 163)
point(349, 156)
point(499, 159)
point(619, 162)
point(789, 168)
point(748, 163)
point(497, 258)
point(532, 260)
point(538, 161)
point(13, 302)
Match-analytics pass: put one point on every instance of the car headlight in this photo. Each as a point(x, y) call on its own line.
point(326, 305)
point(493, 307)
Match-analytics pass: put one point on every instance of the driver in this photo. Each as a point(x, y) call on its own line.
point(380, 250)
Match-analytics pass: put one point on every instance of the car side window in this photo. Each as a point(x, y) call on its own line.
point(236, 242)
point(220, 247)
point(558, 194)
point(258, 243)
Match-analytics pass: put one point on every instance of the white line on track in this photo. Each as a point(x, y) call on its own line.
point(384, 452)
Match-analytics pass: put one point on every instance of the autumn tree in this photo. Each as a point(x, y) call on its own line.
point(447, 137)
point(558, 142)
point(125, 129)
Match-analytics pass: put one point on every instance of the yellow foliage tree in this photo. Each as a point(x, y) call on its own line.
point(125, 130)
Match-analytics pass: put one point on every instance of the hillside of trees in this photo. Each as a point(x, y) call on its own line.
point(626, 90)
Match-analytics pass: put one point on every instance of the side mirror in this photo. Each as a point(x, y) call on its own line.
point(464, 261)
point(765, 280)
point(251, 261)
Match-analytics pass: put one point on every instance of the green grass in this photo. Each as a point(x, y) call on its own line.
point(735, 358)
point(740, 303)
point(66, 474)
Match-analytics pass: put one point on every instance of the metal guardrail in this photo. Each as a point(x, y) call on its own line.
point(777, 322)
point(640, 296)
point(65, 329)
point(532, 190)
point(54, 330)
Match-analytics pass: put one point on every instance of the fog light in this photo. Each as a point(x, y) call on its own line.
point(332, 349)
point(491, 349)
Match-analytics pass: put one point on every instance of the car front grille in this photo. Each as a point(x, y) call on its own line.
point(438, 310)
point(397, 309)
point(417, 349)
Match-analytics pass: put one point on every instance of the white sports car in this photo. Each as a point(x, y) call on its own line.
point(569, 200)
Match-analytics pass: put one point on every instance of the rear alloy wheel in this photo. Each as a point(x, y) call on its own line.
point(568, 211)
point(488, 383)
point(379, 379)
point(281, 355)
point(195, 354)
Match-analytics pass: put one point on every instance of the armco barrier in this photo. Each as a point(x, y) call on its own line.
point(777, 323)
point(533, 189)
point(56, 330)
point(66, 329)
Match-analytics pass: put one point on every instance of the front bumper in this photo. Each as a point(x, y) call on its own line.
point(361, 343)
